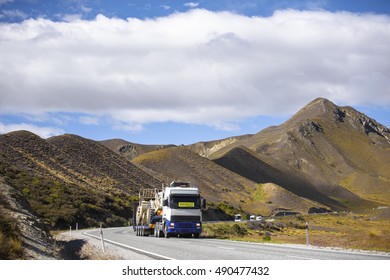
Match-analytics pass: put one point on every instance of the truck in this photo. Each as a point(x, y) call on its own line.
point(174, 210)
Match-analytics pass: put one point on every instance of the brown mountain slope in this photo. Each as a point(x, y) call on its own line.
point(72, 159)
point(342, 153)
point(206, 149)
point(245, 162)
point(218, 184)
point(130, 150)
point(69, 179)
point(100, 165)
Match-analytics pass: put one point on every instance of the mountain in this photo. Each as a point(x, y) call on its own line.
point(130, 150)
point(74, 160)
point(103, 168)
point(219, 185)
point(69, 179)
point(331, 154)
point(206, 149)
point(325, 157)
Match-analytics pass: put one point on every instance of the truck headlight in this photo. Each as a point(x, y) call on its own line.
point(198, 225)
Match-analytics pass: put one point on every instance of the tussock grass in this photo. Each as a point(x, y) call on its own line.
point(11, 247)
point(344, 230)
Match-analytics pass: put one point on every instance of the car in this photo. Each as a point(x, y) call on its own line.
point(259, 218)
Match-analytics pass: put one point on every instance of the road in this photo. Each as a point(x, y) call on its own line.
point(214, 249)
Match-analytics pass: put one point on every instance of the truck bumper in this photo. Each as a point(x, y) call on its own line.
point(184, 227)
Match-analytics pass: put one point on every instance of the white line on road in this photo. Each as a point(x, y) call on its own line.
point(225, 248)
point(300, 258)
point(150, 254)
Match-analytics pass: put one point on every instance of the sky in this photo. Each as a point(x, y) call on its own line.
point(180, 72)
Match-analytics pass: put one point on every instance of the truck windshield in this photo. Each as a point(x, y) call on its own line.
point(188, 202)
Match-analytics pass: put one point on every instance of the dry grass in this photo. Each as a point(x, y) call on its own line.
point(345, 230)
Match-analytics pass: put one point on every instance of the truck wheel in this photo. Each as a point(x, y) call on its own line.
point(196, 235)
point(156, 230)
point(159, 231)
point(136, 231)
point(166, 233)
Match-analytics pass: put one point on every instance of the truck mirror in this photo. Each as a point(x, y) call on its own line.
point(204, 203)
point(165, 202)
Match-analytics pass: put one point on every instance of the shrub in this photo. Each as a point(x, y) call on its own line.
point(267, 236)
point(238, 230)
point(11, 247)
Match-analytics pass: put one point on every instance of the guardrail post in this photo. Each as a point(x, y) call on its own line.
point(101, 238)
point(307, 233)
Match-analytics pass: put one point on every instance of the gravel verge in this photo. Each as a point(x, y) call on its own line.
point(78, 246)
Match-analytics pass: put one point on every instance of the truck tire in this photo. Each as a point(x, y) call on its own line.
point(196, 235)
point(166, 233)
point(159, 231)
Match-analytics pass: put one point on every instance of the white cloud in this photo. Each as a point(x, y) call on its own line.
point(165, 7)
point(86, 9)
point(71, 17)
point(191, 4)
point(196, 67)
point(6, 1)
point(88, 120)
point(13, 14)
point(44, 132)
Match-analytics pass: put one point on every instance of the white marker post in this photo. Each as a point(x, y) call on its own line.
point(70, 230)
point(101, 238)
point(307, 234)
point(77, 226)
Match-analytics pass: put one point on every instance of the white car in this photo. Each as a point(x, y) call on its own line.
point(259, 218)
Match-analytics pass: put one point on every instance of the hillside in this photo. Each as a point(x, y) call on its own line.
point(23, 235)
point(336, 151)
point(130, 150)
point(219, 185)
point(100, 166)
point(69, 179)
point(206, 149)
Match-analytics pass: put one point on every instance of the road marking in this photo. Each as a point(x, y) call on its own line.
point(147, 253)
point(300, 258)
point(225, 248)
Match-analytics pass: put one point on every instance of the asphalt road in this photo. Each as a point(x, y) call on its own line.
point(214, 249)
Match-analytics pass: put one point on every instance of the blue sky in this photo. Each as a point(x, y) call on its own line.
point(179, 72)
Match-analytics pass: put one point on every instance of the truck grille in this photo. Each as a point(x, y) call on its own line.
point(185, 218)
point(185, 225)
